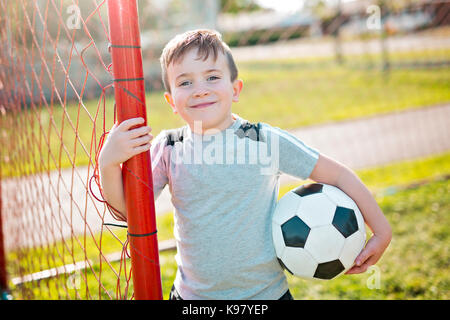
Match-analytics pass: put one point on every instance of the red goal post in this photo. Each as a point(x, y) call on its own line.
point(137, 175)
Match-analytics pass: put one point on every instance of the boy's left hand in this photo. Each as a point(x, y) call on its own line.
point(370, 254)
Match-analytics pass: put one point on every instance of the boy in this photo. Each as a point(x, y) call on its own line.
point(223, 175)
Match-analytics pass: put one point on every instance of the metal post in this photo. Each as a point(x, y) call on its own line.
point(337, 34)
point(386, 66)
point(137, 174)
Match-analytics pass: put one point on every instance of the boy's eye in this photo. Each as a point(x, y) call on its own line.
point(184, 83)
point(211, 78)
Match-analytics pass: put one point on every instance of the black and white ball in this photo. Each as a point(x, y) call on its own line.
point(318, 231)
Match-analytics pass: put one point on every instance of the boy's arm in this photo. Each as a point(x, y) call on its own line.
point(112, 187)
point(123, 142)
point(331, 172)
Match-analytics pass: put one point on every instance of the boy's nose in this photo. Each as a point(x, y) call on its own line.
point(201, 92)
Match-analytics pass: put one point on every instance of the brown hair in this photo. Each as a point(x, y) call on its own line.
point(206, 41)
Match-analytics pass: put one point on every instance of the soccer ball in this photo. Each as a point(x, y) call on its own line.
point(318, 231)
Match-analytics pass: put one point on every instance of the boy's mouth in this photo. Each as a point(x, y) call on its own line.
point(202, 105)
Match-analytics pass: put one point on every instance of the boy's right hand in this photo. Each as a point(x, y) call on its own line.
point(122, 142)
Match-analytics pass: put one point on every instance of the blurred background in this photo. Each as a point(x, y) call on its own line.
point(366, 82)
point(382, 32)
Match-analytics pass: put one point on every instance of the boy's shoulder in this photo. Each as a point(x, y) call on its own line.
point(169, 137)
point(243, 129)
point(250, 130)
point(175, 135)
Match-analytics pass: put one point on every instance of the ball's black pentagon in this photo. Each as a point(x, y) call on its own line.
point(284, 266)
point(328, 270)
point(308, 189)
point(345, 221)
point(295, 232)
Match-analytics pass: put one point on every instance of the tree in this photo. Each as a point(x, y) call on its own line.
point(236, 6)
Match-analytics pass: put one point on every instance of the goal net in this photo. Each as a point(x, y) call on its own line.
point(57, 88)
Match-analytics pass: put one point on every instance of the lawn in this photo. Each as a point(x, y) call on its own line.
point(412, 194)
point(415, 265)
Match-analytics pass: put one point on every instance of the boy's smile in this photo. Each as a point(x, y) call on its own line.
point(202, 105)
point(201, 90)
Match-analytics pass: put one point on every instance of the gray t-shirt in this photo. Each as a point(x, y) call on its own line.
point(224, 188)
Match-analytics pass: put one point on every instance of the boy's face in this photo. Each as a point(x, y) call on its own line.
point(202, 90)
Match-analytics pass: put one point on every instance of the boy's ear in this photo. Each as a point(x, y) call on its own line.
point(237, 88)
point(169, 100)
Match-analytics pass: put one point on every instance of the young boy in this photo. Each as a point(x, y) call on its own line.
point(223, 176)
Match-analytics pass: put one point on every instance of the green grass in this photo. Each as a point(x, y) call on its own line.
point(98, 281)
point(415, 266)
point(299, 94)
point(285, 93)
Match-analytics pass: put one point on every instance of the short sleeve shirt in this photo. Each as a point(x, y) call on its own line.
point(224, 187)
